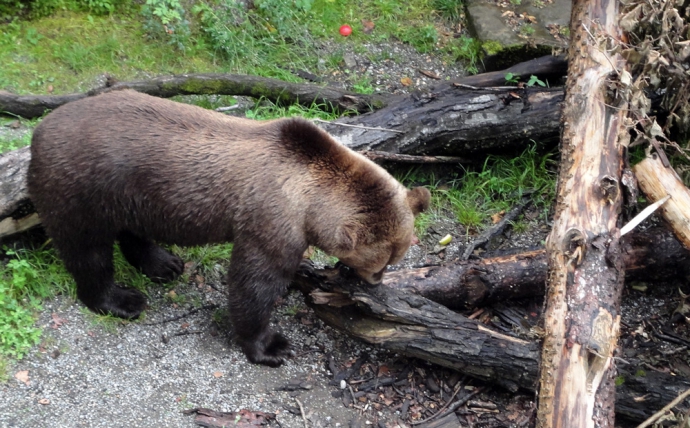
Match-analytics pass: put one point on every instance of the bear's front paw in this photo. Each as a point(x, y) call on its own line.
point(161, 266)
point(122, 302)
point(271, 350)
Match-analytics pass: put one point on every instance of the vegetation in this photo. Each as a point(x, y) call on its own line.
point(472, 196)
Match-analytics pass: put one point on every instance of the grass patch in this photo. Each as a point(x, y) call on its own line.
point(473, 195)
point(205, 257)
point(265, 110)
point(13, 139)
point(69, 51)
point(26, 279)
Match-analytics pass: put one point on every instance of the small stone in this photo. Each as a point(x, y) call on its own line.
point(350, 61)
point(343, 384)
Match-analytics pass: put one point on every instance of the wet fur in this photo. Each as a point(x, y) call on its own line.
point(137, 169)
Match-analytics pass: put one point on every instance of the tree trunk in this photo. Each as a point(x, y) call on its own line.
point(414, 326)
point(585, 265)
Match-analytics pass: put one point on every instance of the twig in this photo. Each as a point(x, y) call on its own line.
point(452, 408)
point(665, 409)
point(485, 88)
point(496, 229)
point(354, 400)
point(301, 410)
point(375, 156)
point(643, 215)
point(358, 126)
point(187, 333)
point(450, 400)
point(192, 312)
point(228, 108)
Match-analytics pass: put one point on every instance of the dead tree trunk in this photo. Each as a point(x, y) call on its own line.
point(585, 266)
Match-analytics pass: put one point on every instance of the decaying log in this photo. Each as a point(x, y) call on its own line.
point(16, 211)
point(278, 91)
point(418, 327)
point(414, 326)
point(656, 181)
point(242, 419)
point(654, 254)
point(586, 273)
point(453, 121)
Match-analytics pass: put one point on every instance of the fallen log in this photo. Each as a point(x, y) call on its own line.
point(546, 67)
point(653, 254)
point(455, 121)
point(415, 326)
point(277, 91)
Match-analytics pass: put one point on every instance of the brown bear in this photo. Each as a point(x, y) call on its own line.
point(132, 168)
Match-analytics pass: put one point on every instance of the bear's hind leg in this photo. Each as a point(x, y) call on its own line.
point(153, 261)
point(92, 269)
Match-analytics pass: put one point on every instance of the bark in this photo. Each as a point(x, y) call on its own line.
point(656, 181)
point(275, 90)
point(654, 254)
point(585, 265)
point(414, 326)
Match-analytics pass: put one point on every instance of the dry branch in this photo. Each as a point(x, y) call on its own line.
point(586, 271)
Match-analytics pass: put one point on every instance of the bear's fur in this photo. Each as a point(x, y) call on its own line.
point(128, 167)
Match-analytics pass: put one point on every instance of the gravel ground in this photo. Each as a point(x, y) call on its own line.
point(94, 373)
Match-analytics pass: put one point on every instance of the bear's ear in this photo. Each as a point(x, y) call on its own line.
point(418, 199)
point(346, 237)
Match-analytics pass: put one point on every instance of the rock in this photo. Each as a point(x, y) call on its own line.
point(519, 30)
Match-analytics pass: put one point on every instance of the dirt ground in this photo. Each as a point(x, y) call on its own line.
point(91, 373)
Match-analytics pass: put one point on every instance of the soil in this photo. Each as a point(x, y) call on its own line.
point(92, 372)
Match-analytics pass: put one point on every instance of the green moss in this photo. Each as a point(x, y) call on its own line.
point(204, 86)
point(492, 47)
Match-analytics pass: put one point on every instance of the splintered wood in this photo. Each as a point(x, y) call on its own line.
point(657, 181)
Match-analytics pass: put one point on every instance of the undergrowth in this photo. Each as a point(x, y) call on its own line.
point(471, 196)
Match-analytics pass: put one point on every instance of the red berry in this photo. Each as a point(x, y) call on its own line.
point(345, 30)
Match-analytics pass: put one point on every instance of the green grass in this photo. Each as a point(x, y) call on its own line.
point(68, 52)
point(26, 279)
point(498, 185)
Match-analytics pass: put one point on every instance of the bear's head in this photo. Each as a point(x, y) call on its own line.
point(372, 241)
